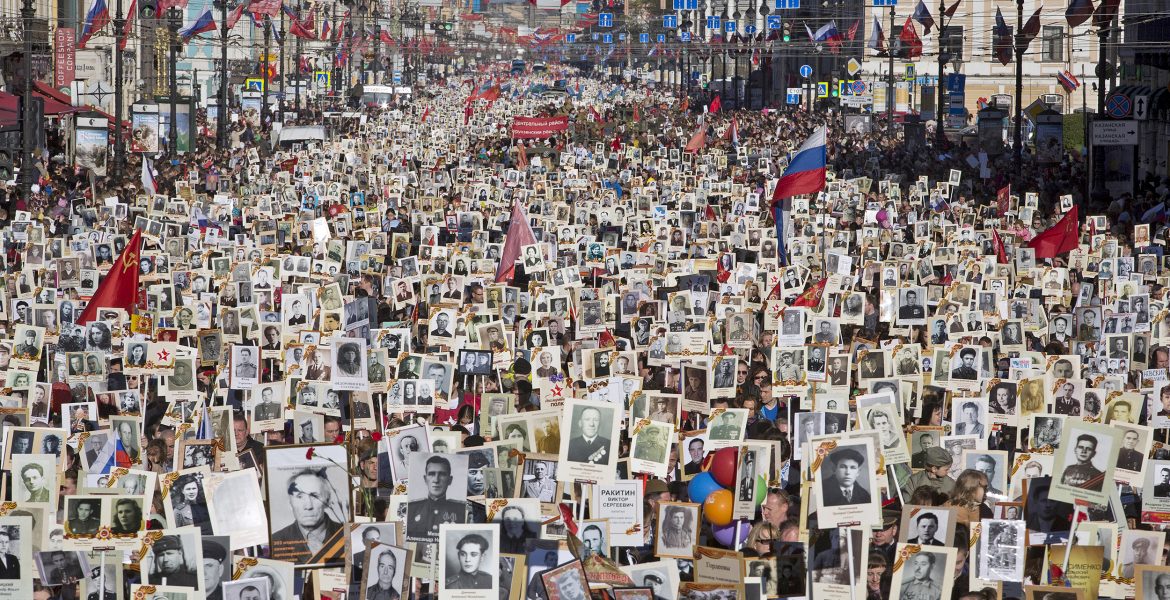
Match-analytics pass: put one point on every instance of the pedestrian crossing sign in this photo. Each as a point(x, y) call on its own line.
point(822, 89)
point(254, 84)
point(322, 79)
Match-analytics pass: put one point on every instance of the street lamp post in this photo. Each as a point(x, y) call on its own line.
point(172, 137)
point(221, 136)
point(891, 93)
point(264, 73)
point(28, 11)
point(119, 42)
point(939, 129)
point(1018, 132)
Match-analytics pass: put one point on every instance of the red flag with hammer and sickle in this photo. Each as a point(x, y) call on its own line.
point(119, 288)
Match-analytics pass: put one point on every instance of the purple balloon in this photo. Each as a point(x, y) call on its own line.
point(725, 535)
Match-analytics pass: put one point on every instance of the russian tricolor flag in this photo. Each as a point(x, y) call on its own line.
point(205, 23)
point(805, 175)
point(806, 171)
point(95, 20)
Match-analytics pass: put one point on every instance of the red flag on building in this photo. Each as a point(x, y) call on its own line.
point(1030, 31)
point(519, 235)
point(911, 46)
point(119, 288)
point(1060, 238)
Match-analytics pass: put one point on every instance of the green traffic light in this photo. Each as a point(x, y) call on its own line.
point(834, 93)
point(787, 37)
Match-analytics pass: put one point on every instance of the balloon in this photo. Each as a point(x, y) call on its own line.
point(723, 466)
point(702, 486)
point(725, 534)
point(761, 489)
point(718, 507)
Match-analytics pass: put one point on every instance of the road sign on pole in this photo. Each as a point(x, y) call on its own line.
point(1115, 133)
point(806, 71)
point(793, 96)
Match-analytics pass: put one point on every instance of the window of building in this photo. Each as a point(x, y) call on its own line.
point(1052, 49)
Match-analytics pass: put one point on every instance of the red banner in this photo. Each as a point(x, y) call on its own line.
point(64, 57)
point(538, 127)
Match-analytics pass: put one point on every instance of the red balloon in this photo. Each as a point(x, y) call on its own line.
point(718, 507)
point(723, 466)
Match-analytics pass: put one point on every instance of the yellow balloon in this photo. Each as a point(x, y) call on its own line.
point(718, 507)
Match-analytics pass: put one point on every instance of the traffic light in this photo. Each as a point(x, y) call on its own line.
point(835, 89)
point(787, 31)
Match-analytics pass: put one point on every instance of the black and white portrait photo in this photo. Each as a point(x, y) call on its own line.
point(439, 498)
point(1085, 462)
point(927, 525)
point(678, 529)
point(469, 567)
point(385, 571)
point(846, 482)
point(349, 369)
point(590, 448)
point(308, 495)
point(924, 573)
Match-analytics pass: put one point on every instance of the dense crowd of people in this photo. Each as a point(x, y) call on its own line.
point(428, 358)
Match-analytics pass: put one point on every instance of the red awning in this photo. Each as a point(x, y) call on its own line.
point(52, 94)
point(10, 108)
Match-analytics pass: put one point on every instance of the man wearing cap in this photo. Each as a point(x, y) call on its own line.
point(966, 370)
point(213, 557)
point(885, 540)
point(169, 567)
point(1140, 556)
point(842, 488)
point(938, 463)
point(726, 428)
point(787, 370)
point(655, 582)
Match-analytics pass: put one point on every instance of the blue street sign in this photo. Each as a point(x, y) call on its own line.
point(605, 20)
point(607, 38)
point(749, 29)
point(686, 4)
point(622, 37)
point(713, 22)
point(685, 36)
point(956, 83)
point(596, 36)
point(885, 2)
point(729, 27)
point(644, 38)
point(669, 21)
point(774, 22)
point(570, 37)
point(661, 39)
point(398, 77)
point(805, 71)
point(791, 98)
point(787, 4)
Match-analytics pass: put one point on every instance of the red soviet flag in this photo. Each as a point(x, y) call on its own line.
point(519, 235)
point(119, 288)
point(1060, 238)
